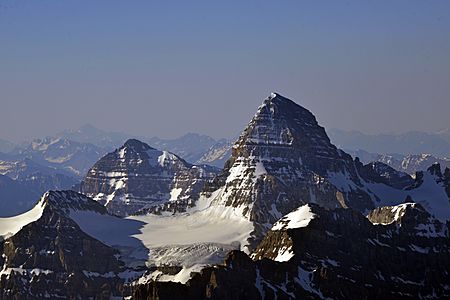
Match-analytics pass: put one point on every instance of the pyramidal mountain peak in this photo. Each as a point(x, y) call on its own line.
point(281, 122)
point(137, 176)
point(136, 145)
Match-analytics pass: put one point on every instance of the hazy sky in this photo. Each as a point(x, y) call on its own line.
point(169, 67)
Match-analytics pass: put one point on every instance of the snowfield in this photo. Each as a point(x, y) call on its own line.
point(10, 226)
point(200, 237)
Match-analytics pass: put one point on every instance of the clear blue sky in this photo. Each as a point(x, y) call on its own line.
point(170, 67)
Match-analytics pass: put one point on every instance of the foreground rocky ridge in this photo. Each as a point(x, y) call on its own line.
point(339, 254)
point(53, 258)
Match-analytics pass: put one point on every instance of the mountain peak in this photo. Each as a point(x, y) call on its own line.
point(435, 169)
point(64, 201)
point(273, 95)
point(136, 145)
point(88, 128)
point(280, 122)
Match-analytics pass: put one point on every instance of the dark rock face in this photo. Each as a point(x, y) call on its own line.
point(441, 178)
point(52, 257)
point(380, 172)
point(447, 181)
point(136, 177)
point(233, 280)
point(339, 254)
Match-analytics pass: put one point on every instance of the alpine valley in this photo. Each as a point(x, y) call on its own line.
point(289, 216)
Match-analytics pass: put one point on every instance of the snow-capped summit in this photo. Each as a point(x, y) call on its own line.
point(137, 176)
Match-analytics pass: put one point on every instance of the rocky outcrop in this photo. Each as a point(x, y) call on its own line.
point(53, 258)
point(136, 177)
point(381, 172)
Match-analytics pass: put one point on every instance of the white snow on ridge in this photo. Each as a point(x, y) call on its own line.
point(296, 219)
point(11, 225)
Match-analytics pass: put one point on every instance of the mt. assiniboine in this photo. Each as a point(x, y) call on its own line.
point(311, 222)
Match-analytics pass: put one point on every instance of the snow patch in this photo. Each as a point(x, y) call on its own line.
point(174, 193)
point(296, 219)
point(284, 254)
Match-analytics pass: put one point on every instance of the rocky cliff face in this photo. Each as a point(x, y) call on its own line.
point(383, 173)
point(53, 258)
point(136, 177)
point(314, 253)
point(442, 178)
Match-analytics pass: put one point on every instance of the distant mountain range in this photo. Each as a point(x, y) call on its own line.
point(410, 163)
point(6, 146)
point(202, 149)
point(414, 142)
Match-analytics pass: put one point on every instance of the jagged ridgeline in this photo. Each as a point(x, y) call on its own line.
point(290, 216)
